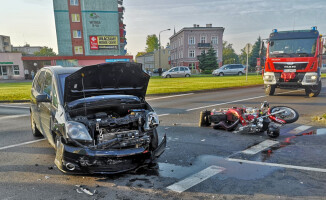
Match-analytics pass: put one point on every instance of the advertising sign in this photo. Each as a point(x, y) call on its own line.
point(118, 60)
point(103, 42)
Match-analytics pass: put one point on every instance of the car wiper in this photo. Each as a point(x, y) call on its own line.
point(303, 54)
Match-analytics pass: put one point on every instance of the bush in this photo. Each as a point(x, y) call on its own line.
point(206, 72)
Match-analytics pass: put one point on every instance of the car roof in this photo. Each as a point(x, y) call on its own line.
point(62, 70)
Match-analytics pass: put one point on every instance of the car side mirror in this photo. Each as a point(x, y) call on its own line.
point(43, 98)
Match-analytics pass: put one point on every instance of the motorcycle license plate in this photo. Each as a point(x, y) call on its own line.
point(290, 70)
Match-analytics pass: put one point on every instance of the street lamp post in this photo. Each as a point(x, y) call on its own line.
point(159, 48)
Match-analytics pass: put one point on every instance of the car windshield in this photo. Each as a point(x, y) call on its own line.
point(62, 78)
point(292, 48)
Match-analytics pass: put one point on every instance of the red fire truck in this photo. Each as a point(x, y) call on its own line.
point(294, 60)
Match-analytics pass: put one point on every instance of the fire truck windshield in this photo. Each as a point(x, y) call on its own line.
point(292, 48)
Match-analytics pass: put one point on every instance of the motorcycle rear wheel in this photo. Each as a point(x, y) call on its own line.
point(289, 116)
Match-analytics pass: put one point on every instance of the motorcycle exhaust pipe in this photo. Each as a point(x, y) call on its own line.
point(70, 166)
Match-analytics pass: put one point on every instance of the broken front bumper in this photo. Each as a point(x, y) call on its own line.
point(79, 160)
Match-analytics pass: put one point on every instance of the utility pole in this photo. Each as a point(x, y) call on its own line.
point(248, 50)
point(159, 47)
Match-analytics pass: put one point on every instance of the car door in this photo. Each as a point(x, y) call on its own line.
point(36, 90)
point(227, 69)
point(175, 72)
point(233, 69)
point(182, 72)
point(46, 107)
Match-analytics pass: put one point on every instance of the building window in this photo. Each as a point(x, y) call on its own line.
point(15, 70)
point(214, 40)
point(191, 40)
point(74, 2)
point(77, 33)
point(75, 17)
point(191, 53)
point(3, 70)
point(78, 50)
point(203, 39)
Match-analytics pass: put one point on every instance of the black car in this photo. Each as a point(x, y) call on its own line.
point(96, 117)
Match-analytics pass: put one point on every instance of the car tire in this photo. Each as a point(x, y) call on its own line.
point(240, 73)
point(187, 75)
point(168, 76)
point(270, 90)
point(221, 74)
point(35, 131)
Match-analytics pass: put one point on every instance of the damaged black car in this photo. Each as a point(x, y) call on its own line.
point(96, 117)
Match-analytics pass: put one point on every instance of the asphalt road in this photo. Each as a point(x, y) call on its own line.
point(199, 163)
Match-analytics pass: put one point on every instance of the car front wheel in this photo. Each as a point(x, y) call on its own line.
point(221, 74)
point(35, 131)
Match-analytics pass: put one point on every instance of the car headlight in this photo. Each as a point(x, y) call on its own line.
point(313, 77)
point(77, 131)
point(151, 121)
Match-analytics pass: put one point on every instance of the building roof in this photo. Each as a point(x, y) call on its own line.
point(197, 28)
point(146, 54)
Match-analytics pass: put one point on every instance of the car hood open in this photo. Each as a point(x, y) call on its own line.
point(106, 79)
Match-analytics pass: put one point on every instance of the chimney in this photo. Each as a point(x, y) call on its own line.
point(209, 25)
point(195, 25)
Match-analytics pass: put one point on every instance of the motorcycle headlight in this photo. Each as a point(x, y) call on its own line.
point(77, 131)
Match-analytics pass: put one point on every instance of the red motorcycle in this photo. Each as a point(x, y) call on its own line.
point(250, 120)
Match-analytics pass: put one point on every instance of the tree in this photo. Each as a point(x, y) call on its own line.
point(140, 54)
point(152, 43)
point(208, 61)
point(229, 55)
point(243, 56)
point(255, 54)
point(45, 51)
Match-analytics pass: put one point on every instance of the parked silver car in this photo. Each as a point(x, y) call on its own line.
point(233, 69)
point(180, 71)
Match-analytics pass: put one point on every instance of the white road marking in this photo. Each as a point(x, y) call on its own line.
point(195, 179)
point(163, 115)
point(259, 147)
point(239, 100)
point(7, 106)
point(299, 129)
point(13, 116)
point(165, 97)
point(278, 165)
point(21, 144)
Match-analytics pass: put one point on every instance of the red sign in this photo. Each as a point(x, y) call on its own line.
point(258, 62)
point(93, 42)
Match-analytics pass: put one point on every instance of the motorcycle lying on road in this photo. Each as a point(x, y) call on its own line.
point(250, 119)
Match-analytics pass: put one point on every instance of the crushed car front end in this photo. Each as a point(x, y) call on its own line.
point(106, 126)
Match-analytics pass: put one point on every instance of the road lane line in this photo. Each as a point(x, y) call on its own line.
point(6, 106)
point(21, 144)
point(259, 147)
point(239, 100)
point(165, 97)
point(13, 116)
point(299, 129)
point(278, 165)
point(195, 179)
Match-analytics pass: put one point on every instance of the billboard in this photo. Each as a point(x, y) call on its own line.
point(104, 42)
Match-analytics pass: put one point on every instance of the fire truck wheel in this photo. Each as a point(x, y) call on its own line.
point(270, 90)
point(313, 91)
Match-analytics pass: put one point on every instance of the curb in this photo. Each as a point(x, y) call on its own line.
point(16, 101)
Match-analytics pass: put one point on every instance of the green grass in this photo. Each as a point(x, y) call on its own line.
point(194, 83)
point(15, 91)
point(157, 85)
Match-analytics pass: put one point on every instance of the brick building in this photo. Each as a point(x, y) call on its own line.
point(189, 43)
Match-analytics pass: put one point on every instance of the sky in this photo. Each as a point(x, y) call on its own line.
point(32, 21)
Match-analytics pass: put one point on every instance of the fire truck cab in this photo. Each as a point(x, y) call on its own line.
point(293, 61)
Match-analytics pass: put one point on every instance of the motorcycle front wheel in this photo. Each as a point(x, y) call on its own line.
point(289, 115)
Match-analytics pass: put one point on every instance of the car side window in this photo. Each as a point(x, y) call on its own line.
point(182, 69)
point(47, 84)
point(39, 82)
point(175, 69)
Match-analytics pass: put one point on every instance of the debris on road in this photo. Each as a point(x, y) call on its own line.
point(82, 189)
